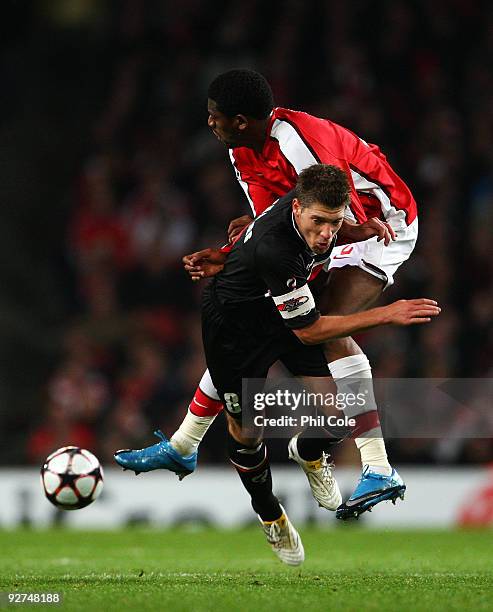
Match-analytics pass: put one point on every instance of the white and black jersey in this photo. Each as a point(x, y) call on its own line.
point(268, 270)
point(252, 306)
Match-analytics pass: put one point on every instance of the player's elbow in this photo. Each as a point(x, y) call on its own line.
point(305, 335)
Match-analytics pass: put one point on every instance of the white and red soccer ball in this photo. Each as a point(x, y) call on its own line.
point(72, 478)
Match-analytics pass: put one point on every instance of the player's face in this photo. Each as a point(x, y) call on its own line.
point(317, 224)
point(228, 130)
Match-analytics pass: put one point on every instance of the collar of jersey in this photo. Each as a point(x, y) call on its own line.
point(272, 118)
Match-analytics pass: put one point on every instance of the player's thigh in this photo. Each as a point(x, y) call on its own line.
point(304, 360)
point(348, 290)
point(232, 361)
point(238, 406)
point(309, 365)
point(231, 355)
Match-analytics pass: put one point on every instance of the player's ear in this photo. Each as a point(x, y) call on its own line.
point(296, 207)
point(241, 122)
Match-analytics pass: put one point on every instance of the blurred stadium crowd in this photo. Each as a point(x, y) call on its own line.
point(151, 184)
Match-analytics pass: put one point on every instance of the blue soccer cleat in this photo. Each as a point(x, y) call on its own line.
point(160, 456)
point(372, 489)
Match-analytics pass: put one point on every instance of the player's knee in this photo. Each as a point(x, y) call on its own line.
point(352, 366)
point(340, 348)
point(245, 437)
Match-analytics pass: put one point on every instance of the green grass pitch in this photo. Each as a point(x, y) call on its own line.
point(195, 570)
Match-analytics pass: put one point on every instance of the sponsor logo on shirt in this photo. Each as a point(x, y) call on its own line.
point(297, 303)
point(293, 304)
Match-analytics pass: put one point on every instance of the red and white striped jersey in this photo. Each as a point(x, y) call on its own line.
point(296, 140)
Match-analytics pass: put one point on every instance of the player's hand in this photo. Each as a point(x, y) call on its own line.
point(204, 264)
point(369, 229)
point(236, 226)
point(409, 312)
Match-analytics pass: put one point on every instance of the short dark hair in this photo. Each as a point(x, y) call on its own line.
point(242, 91)
point(322, 183)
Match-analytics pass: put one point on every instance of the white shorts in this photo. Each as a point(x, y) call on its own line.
point(376, 258)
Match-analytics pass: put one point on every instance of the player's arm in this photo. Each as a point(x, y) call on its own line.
point(209, 262)
point(402, 312)
point(284, 275)
point(237, 225)
point(298, 309)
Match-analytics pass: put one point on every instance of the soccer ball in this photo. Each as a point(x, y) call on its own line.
point(72, 478)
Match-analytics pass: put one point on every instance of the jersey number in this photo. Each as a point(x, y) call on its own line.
point(232, 402)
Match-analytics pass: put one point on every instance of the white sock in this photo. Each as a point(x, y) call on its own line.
point(348, 373)
point(188, 436)
point(373, 452)
point(193, 428)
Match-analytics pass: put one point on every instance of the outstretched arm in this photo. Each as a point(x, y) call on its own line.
point(402, 312)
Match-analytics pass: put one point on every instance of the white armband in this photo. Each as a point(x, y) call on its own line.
point(295, 303)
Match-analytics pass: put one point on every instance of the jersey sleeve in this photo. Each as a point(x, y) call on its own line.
point(285, 277)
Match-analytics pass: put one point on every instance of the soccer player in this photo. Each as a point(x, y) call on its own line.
point(268, 148)
point(260, 309)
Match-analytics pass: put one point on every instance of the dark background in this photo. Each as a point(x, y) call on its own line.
point(108, 175)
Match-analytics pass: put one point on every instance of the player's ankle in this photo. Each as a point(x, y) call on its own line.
point(313, 441)
point(373, 452)
point(183, 444)
point(268, 508)
point(189, 435)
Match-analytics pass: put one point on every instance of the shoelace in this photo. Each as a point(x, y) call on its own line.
point(367, 474)
point(159, 434)
point(274, 534)
point(326, 466)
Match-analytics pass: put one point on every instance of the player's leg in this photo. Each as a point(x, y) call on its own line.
point(202, 411)
point(312, 452)
point(351, 289)
point(248, 456)
point(237, 350)
point(311, 449)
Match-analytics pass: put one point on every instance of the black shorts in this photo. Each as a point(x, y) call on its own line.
point(245, 342)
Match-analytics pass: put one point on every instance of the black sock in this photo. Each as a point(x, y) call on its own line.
point(253, 468)
point(312, 441)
